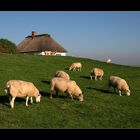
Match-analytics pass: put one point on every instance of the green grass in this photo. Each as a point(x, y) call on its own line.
point(99, 109)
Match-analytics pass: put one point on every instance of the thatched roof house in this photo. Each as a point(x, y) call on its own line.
point(42, 44)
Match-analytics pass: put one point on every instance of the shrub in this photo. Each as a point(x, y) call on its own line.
point(7, 46)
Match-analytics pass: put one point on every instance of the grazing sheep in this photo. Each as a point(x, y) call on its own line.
point(76, 66)
point(120, 84)
point(65, 86)
point(62, 74)
point(18, 88)
point(108, 60)
point(96, 73)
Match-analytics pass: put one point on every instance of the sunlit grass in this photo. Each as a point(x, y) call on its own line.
point(99, 109)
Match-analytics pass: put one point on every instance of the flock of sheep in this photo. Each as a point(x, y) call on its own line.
point(61, 83)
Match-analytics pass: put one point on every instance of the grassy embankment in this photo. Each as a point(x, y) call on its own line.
point(99, 109)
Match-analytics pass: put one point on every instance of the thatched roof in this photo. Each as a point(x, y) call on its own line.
point(38, 43)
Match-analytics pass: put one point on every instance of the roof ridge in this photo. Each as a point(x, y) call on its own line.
point(39, 35)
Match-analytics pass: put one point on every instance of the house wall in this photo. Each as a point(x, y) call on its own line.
point(39, 53)
point(61, 53)
point(50, 53)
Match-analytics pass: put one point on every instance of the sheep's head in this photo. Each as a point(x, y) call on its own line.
point(80, 97)
point(38, 98)
point(128, 92)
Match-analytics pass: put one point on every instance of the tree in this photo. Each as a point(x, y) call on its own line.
point(7, 46)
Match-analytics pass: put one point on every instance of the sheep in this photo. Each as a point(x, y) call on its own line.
point(65, 86)
point(108, 60)
point(19, 88)
point(76, 66)
point(96, 73)
point(120, 84)
point(62, 74)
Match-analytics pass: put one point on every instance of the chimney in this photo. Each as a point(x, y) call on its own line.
point(34, 34)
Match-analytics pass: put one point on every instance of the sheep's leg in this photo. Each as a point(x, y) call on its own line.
point(120, 93)
point(27, 98)
point(95, 77)
point(12, 102)
point(31, 99)
point(90, 77)
point(71, 96)
point(10, 98)
point(100, 77)
point(115, 90)
point(51, 94)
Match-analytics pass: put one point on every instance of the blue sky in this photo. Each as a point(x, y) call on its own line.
point(92, 34)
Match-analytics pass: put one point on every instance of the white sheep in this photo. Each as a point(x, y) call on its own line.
point(76, 66)
point(65, 86)
point(120, 84)
point(19, 88)
point(62, 74)
point(96, 73)
point(108, 60)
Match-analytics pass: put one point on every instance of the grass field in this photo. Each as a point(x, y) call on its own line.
point(99, 109)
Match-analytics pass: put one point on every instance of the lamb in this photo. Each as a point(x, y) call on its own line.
point(62, 74)
point(96, 73)
point(65, 86)
point(19, 88)
point(76, 66)
point(120, 84)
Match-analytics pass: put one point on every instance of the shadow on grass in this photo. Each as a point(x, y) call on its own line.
point(5, 100)
point(85, 77)
point(60, 95)
point(46, 82)
point(45, 94)
point(66, 69)
point(55, 95)
point(102, 90)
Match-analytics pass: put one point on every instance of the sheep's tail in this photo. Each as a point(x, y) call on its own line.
point(7, 88)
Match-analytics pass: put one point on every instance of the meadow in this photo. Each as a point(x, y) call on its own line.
point(100, 108)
